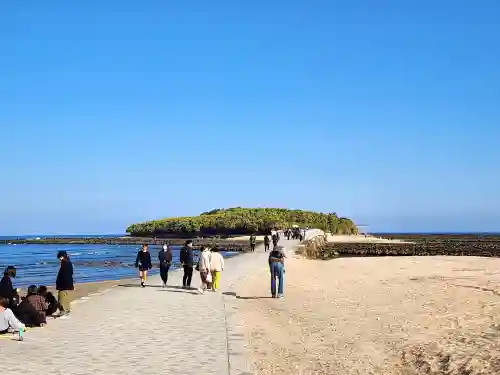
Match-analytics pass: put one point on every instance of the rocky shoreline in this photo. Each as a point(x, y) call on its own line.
point(421, 245)
point(226, 244)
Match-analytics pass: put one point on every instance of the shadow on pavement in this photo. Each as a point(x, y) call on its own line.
point(253, 297)
point(232, 294)
point(177, 291)
point(137, 286)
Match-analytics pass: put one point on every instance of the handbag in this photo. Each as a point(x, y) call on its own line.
point(209, 277)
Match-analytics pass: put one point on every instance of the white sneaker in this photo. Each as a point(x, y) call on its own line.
point(201, 291)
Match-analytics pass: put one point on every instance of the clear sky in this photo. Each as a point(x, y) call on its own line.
point(113, 112)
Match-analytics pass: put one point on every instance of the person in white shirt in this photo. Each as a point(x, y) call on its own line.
point(8, 320)
point(217, 266)
point(204, 268)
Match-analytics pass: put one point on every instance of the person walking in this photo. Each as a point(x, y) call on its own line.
point(204, 268)
point(64, 283)
point(267, 242)
point(275, 239)
point(143, 262)
point(253, 242)
point(217, 266)
point(277, 268)
point(165, 258)
point(187, 261)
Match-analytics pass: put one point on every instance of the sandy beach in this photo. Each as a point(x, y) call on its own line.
point(362, 238)
point(357, 315)
point(85, 289)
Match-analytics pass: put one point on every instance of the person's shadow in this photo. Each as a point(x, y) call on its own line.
point(232, 294)
point(168, 288)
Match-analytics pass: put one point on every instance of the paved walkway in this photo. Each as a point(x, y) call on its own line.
point(131, 330)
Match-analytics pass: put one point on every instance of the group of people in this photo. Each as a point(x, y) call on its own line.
point(16, 313)
point(295, 233)
point(209, 263)
point(32, 310)
point(290, 233)
point(275, 237)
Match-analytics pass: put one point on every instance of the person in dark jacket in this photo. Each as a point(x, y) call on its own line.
point(64, 283)
point(31, 310)
point(7, 289)
point(165, 258)
point(275, 239)
point(267, 241)
point(143, 262)
point(253, 242)
point(187, 261)
point(52, 303)
point(277, 268)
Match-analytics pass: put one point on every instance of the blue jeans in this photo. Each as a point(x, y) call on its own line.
point(277, 271)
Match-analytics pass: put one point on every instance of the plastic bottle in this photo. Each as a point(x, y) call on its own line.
point(21, 334)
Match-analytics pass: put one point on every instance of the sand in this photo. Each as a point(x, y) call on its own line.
point(85, 289)
point(357, 316)
point(362, 238)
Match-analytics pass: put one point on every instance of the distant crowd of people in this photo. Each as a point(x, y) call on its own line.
point(17, 313)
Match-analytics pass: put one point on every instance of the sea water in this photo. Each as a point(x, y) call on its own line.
point(38, 264)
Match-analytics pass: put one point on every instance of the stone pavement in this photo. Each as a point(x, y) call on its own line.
point(152, 330)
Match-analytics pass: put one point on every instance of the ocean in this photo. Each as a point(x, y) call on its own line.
point(37, 264)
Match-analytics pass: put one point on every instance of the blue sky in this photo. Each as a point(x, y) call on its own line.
point(121, 111)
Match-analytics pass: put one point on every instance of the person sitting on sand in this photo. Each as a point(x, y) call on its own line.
point(64, 283)
point(52, 304)
point(143, 262)
point(277, 268)
point(165, 258)
point(38, 302)
point(216, 266)
point(31, 310)
point(8, 321)
point(6, 288)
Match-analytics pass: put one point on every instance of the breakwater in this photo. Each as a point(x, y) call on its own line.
point(226, 244)
point(423, 245)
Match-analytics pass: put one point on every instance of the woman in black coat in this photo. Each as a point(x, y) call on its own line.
point(143, 262)
point(165, 258)
point(7, 289)
point(64, 283)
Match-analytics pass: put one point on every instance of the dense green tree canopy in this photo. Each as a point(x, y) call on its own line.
point(243, 221)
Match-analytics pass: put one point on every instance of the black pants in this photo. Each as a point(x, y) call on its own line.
point(266, 246)
point(188, 275)
point(164, 273)
point(252, 247)
point(275, 244)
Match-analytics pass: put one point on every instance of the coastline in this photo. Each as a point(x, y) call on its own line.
point(228, 244)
